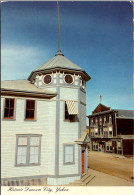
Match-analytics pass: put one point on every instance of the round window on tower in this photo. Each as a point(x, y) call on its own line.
point(47, 79)
point(69, 79)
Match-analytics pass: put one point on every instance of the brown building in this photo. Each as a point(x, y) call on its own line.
point(111, 130)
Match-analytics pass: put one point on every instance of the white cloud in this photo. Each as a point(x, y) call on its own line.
point(17, 62)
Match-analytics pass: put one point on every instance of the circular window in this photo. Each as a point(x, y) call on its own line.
point(47, 79)
point(69, 79)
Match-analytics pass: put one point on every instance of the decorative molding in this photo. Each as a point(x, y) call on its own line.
point(27, 94)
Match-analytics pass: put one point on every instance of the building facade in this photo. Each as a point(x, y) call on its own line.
point(111, 130)
point(43, 125)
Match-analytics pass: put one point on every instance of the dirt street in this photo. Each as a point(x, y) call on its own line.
point(111, 164)
point(103, 179)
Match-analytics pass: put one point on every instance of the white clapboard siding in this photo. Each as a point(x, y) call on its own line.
point(68, 93)
point(82, 118)
point(68, 169)
point(82, 97)
point(45, 125)
point(82, 111)
point(62, 181)
point(68, 134)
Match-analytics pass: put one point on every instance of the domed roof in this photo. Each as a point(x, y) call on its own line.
point(58, 62)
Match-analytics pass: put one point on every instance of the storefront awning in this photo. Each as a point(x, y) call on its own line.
point(71, 107)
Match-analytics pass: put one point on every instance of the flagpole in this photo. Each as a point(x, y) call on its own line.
point(58, 27)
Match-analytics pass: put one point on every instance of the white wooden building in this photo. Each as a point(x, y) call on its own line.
point(43, 125)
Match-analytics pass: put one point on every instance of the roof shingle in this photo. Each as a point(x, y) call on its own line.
point(58, 61)
point(23, 86)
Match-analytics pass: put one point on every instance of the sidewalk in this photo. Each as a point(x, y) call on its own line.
point(103, 179)
point(96, 178)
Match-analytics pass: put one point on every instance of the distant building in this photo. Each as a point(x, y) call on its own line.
point(111, 130)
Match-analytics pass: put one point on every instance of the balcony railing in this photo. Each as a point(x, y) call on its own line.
point(95, 135)
point(104, 135)
point(92, 125)
point(110, 134)
point(110, 122)
point(105, 124)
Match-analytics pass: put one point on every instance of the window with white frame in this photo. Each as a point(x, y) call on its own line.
point(110, 130)
point(92, 131)
point(105, 131)
point(110, 118)
point(100, 121)
point(104, 119)
point(119, 145)
point(28, 150)
point(96, 131)
point(95, 145)
point(109, 146)
point(69, 154)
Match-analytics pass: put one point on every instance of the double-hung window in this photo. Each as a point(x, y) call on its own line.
point(28, 150)
point(69, 154)
point(30, 110)
point(22, 150)
point(96, 131)
point(110, 131)
point(119, 145)
point(109, 146)
point(9, 108)
point(104, 119)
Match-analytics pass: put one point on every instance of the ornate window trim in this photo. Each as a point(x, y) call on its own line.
point(71, 77)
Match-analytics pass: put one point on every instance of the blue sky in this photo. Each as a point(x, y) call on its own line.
point(97, 36)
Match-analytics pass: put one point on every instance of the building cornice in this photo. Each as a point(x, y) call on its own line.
point(65, 70)
point(101, 113)
point(27, 94)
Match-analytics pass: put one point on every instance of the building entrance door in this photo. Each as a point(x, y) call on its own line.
point(101, 146)
point(82, 162)
point(114, 145)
